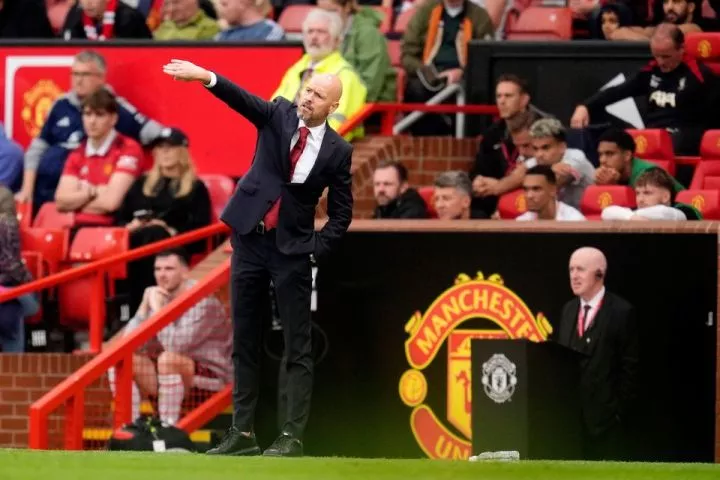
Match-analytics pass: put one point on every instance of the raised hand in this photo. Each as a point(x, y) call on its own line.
point(186, 71)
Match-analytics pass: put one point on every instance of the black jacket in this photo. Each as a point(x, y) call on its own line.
point(610, 362)
point(25, 19)
point(129, 23)
point(268, 176)
point(408, 205)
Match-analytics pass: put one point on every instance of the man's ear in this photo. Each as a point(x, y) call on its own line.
point(333, 107)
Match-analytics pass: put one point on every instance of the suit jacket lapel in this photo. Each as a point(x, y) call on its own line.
point(570, 328)
point(291, 126)
point(326, 149)
point(599, 323)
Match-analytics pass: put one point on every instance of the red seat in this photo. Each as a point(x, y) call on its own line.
point(710, 145)
point(90, 244)
point(667, 165)
point(220, 188)
point(402, 20)
point(512, 204)
point(707, 202)
point(51, 243)
point(293, 16)
point(705, 47)
point(386, 23)
point(23, 210)
point(49, 217)
point(395, 52)
point(34, 263)
point(653, 144)
point(706, 176)
point(597, 197)
point(542, 23)
point(427, 194)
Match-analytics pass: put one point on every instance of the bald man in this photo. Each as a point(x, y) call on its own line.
point(601, 326)
point(271, 215)
point(682, 93)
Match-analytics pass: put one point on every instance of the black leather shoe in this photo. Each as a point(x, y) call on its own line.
point(236, 443)
point(285, 446)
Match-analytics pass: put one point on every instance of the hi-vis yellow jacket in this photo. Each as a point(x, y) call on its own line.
point(354, 90)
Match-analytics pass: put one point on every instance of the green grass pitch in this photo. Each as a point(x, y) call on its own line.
point(60, 465)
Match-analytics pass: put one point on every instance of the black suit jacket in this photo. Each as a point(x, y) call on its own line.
point(268, 177)
point(129, 23)
point(610, 360)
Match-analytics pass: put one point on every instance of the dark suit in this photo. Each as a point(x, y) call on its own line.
point(608, 371)
point(282, 254)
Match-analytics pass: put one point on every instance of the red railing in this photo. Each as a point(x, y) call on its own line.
point(97, 270)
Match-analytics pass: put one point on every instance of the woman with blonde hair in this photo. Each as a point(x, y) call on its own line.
point(12, 273)
point(168, 200)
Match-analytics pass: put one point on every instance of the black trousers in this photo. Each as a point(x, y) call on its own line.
point(256, 260)
point(611, 445)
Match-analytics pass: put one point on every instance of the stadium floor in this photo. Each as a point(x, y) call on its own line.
point(59, 465)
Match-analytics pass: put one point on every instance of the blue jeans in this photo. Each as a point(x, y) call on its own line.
point(12, 327)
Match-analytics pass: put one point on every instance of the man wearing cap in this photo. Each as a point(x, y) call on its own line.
point(271, 213)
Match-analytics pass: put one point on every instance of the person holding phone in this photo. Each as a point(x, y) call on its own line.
point(168, 200)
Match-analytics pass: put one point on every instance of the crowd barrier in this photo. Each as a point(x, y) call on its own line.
point(33, 76)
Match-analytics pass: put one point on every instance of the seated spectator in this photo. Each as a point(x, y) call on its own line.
point(498, 155)
point(104, 20)
point(168, 200)
point(62, 131)
point(686, 14)
point(682, 93)
point(98, 174)
point(24, 19)
point(247, 22)
point(12, 273)
point(655, 197)
point(434, 53)
point(185, 20)
point(11, 162)
point(192, 352)
point(365, 47)
point(453, 194)
point(322, 32)
point(610, 17)
point(540, 186)
point(618, 164)
point(393, 195)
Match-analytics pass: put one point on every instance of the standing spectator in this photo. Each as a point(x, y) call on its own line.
point(168, 200)
point(99, 173)
point(683, 95)
point(365, 47)
point(540, 186)
point(63, 129)
point(247, 22)
point(11, 162)
point(393, 195)
point(434, 52)
point(498, 156)
point(24, 19)
point(185, 20)
point(618, 164)
point(104, 20)
point(453, 192)
point(322, 32)
point(12, 274)
point(193, 351)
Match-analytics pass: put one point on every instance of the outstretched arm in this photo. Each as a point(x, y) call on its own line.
point(253, 108)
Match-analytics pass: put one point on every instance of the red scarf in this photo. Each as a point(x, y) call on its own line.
point(108, 23)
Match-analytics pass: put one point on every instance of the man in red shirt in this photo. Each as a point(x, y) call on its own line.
point(98, 174)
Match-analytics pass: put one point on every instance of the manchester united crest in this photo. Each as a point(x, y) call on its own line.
point(499, 378)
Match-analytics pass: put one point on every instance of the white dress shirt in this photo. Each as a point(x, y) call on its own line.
point(312, 144)
point(594, 307)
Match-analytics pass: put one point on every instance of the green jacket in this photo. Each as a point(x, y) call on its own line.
point(200, 27)
point(365, 48)
point(418, 49)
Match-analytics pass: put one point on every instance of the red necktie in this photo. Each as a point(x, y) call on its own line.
point(271, 217)
point(582, 321)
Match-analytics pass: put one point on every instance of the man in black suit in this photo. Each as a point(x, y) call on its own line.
point(272, 219)
point(601, 326)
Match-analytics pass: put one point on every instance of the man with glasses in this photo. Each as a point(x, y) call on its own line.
point(63, 130)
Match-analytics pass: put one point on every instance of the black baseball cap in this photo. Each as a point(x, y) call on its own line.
point(171, 136)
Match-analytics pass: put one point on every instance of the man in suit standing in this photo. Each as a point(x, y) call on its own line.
point(271, 216)
point(601, 326)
